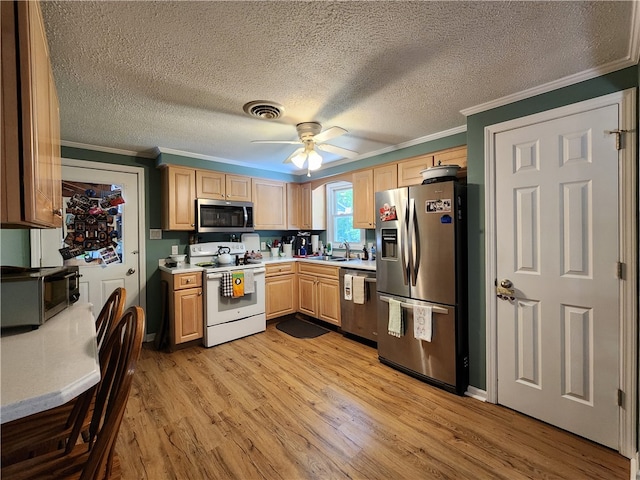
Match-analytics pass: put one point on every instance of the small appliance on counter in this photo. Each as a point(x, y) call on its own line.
point(302, 244)
point(31, 296)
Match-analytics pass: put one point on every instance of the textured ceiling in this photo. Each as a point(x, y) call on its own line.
point(139, 75)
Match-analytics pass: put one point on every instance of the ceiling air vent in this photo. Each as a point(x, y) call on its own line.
point(263, 109)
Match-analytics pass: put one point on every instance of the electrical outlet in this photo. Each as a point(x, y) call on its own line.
point(174, 249)
point(155, 234)
point(263, 245)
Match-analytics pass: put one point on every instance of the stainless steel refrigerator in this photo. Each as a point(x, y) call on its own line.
point(421, 261)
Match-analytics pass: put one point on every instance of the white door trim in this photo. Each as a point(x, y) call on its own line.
point(626, 100)
point(139, 172)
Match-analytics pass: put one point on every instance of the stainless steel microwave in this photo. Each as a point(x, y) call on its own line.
point(30, 297)
point(223, 216)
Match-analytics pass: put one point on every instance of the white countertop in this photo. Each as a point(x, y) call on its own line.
point(47, 367)
point(354, 263)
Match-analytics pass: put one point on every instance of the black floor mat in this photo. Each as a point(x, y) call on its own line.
point(300, 329)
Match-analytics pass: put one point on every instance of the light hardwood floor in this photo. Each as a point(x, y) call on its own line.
point(271, 406)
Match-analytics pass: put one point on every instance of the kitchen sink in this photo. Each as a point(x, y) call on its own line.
point(331, 259)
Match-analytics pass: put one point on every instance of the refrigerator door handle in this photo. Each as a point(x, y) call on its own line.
point(403, 244)
point(415, 244)
point(435, 308)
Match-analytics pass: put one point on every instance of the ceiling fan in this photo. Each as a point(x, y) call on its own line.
point(312, 137)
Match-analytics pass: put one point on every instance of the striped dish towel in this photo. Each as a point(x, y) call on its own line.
point(226, 285)
point(395, 327)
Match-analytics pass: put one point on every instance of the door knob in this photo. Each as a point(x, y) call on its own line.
point(505, 290)
point(131, 271)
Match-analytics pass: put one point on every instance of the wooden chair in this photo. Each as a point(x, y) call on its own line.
point(45, 431)
point(93, 459)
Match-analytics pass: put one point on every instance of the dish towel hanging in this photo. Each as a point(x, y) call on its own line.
point(249, 286)
point(348, 281)
point(238, 283)
point(226, 286)
point(423, 322)
point(395, 318)
point(358, 289)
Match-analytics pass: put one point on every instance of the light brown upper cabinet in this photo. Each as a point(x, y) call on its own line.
point(409, 170)
point(178, 198)
point(453, 156)
point(385, 177)
point(305, 207)
point(31, 163)
point(363, 199)
point(269, 204)
point(221, 186)
point(294, 206)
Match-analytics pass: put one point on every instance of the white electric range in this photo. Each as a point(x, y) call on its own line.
point(226, 317)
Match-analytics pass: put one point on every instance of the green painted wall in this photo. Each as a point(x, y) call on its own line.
point(620, 80)
point(15, 247)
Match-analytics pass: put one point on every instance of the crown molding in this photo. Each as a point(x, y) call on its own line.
point(156, 151)
point(200, 156)
point(116, 151)
point(554, 85)
point(400, 146)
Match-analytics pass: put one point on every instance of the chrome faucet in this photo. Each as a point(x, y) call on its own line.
point(348, 249)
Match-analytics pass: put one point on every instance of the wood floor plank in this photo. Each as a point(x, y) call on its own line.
point(271, 406)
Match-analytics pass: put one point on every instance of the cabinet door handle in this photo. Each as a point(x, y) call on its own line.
point(188, 280)
point(57, 212)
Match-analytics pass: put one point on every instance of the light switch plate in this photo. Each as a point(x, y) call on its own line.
point(174, 249)
point(155, 234)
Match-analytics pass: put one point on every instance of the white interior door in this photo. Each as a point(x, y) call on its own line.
point(100, 278)
point(557, 242)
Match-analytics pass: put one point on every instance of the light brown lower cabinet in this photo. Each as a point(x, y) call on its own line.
point(185, 307)
point(281, 289)
point(319, 291)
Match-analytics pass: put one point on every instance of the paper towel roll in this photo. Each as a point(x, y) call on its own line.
point(314, 243)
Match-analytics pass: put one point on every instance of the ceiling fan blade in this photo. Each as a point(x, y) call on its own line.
point(328, 134)
point(337, 150)
point(296, 151)
point(288, 142)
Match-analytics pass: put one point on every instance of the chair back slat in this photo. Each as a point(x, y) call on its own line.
point(118, 357)
point(110, 313)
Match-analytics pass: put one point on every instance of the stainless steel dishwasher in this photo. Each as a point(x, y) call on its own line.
point(360, 319)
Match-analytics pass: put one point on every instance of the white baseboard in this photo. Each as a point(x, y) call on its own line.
point(634, 472)
point(478, 394)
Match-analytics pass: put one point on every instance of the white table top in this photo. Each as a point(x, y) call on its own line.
point(47, 367)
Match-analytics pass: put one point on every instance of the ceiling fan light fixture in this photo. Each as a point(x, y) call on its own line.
point(299, 159)
point(314, 159)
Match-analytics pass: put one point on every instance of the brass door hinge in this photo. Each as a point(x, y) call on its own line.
point(618, 133)
point(620, 270)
